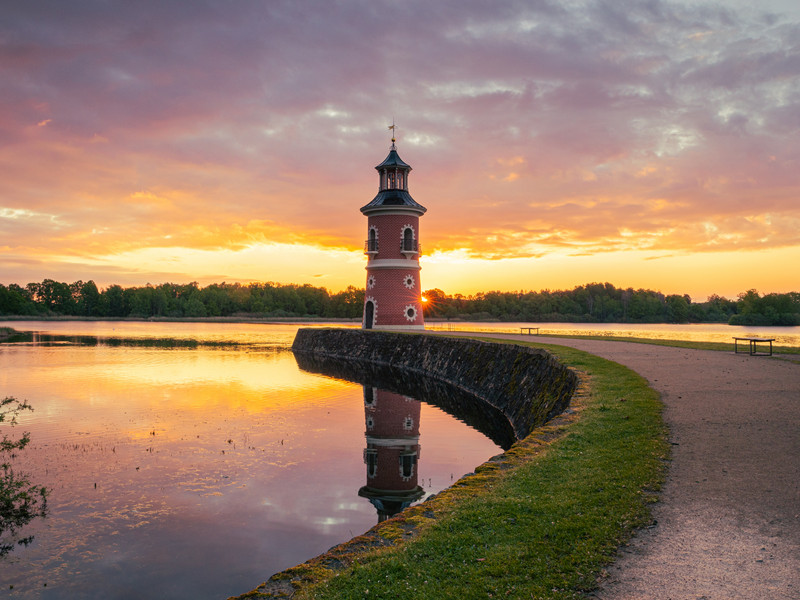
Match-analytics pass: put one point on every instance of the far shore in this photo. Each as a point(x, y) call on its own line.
point(314, 319)
point(233, 319)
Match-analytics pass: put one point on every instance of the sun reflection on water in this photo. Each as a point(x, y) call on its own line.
point(212, 466)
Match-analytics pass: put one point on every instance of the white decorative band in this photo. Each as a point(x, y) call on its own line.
point(411, 440)
point(393, 263)
point(400, 327)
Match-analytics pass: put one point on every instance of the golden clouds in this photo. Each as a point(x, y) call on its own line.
point(242, 144)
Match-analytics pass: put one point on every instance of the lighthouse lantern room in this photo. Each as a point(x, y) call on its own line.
point(393, 298)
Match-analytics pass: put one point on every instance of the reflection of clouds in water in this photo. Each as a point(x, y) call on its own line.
point(213, 482)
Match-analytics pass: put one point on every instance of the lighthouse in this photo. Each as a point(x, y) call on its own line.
point(392, 452)
point(393, 298)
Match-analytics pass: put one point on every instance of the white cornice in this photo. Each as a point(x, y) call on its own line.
point(411, 440)
point(393, 263)
point(393, 210)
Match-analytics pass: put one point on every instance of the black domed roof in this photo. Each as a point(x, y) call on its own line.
point(393, 191)
point(394, 160)
point(393, 198)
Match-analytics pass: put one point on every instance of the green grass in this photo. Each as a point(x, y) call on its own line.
point(541, 523)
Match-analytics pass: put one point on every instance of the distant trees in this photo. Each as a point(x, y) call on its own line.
point(772, 309)
point(590, 303)
point(604, 303)
point(179, 300)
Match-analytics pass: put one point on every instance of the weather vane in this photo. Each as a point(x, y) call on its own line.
point(393, 129)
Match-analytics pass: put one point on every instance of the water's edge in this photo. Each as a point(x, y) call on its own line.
point(528, 386)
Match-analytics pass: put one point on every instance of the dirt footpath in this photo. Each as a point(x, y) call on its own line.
point(728, 524)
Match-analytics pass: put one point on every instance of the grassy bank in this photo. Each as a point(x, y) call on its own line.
point(540, 522)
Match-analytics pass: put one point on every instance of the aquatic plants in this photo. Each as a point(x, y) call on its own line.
point(20, 500)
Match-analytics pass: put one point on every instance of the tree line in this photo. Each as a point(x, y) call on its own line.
point(604, 303)
point(171, 300)
point(590, 303)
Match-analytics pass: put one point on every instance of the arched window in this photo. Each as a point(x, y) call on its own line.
point(408, 240)
point(372, 240)
point(369, 314)
point(371, 460)
point(369, 396)
point(407, 462)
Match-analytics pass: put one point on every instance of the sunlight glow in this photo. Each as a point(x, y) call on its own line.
point(546, 152)
point(282, 263)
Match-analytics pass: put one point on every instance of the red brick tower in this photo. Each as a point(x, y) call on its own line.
point(393, 297)
point(392, 451)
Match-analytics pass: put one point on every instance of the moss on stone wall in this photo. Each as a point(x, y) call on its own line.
point(527, 385)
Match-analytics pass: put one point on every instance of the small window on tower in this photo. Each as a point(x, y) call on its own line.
point(369, 396)
point(408, 237)
point(407, 462)
point(371, 460)
point(372, 240)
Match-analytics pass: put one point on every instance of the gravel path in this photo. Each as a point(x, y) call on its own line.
point(728, 524)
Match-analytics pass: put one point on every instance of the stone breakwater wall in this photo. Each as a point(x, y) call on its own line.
point(527, 385)
point(523, 385)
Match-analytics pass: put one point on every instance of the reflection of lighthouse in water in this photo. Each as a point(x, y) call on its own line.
point(392, 451)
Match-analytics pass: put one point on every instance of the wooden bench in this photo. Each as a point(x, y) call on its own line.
point(752, 345)
point(530, 330)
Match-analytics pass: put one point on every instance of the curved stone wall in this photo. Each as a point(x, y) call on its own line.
point(527, 385)
point(523, 385)
point(464, 406)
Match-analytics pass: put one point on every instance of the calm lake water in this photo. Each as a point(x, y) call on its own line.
point(700, 332)
point(200, 467)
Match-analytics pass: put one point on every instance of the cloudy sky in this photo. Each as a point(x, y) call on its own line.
point(649, 144)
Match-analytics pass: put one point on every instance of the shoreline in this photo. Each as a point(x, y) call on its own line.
point(317, 319)
point(789, 345)
point(743, 548)
point(385, 558)
point(77, 318)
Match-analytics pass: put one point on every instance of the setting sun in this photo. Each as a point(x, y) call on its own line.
point(578, 149)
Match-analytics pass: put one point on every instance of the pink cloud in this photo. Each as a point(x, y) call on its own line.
point(211, 127)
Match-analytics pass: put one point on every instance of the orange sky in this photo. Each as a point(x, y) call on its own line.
point(649, 146)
